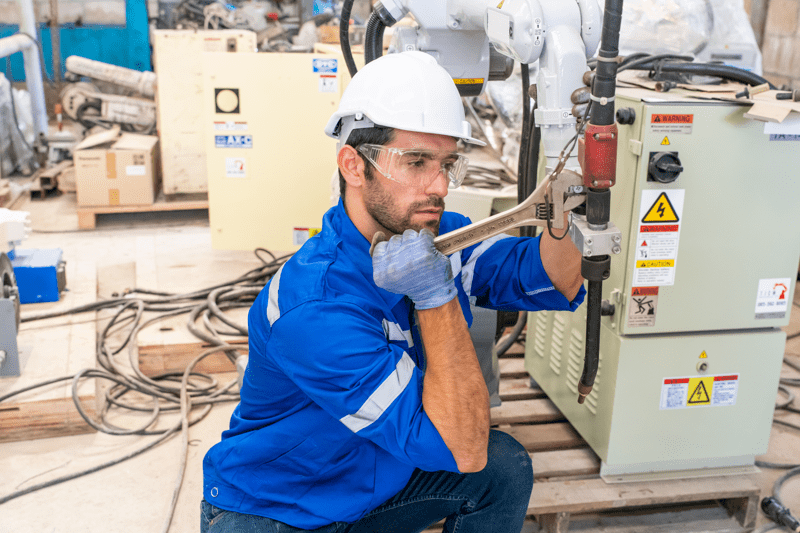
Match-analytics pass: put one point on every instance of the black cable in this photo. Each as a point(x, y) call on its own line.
point(524, 143)
point(344, 36)
point(513, 336)
point(373, 38)
point(705, 69)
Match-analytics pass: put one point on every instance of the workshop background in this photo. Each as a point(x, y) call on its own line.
point(160, 160)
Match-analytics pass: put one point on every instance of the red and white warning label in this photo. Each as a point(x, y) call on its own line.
point(642, 307)
point(671, 123)
point(699, 391)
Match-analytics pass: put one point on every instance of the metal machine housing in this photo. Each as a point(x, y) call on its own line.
point(705, 319)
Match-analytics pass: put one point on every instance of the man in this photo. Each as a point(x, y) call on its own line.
point(363, 406)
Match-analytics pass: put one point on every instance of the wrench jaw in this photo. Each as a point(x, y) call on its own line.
point(565, 193)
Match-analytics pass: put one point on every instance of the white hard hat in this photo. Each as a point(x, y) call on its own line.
point(406, 91)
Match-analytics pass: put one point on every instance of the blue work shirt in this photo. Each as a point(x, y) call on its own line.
point(330, 423)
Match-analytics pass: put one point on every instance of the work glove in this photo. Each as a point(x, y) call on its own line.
point(409, 264)
point(581, 96)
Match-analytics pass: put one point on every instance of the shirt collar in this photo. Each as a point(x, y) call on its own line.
point(356, 247)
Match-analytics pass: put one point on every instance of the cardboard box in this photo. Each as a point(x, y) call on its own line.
point(116, 169)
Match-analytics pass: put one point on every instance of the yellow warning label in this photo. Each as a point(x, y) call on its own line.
point(703, 355)
point(698, 391)
point(656, 263)
point(661, 211)
point(468, 81)
point(665, 142)
point(313, 231)
point(500, 5)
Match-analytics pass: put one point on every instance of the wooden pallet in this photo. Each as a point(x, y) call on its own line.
point(179, 202)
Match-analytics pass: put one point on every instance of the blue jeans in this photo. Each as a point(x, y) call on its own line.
point(494, 500)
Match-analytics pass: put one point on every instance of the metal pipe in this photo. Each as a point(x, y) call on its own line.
point(13, 44)
point(142, 82)
point(33, 68)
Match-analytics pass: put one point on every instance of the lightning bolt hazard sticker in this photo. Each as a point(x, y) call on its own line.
point(659, 237)
point(661, 211)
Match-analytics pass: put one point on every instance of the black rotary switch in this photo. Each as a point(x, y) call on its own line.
point(665, 167)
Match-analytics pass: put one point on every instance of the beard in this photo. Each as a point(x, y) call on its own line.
point(381, 206)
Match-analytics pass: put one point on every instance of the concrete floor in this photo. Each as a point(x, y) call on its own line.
point(171, 253)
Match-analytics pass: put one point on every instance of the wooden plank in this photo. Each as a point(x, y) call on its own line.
point(744, 510)
point(532, 411)
point(86, 220)
point(595, 494)
point(512, 368)
point(546, 437)
point(554, 523)
point(561, 463)
point(154, 360)
point(700, 517)
point(515, 350)
point(86, 214)
point(44, 419)
point(519, 389)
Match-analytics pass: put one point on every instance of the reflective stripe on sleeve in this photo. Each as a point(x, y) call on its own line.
point(468, 270)
point(455, 263)
point(394, 332)
point(382, 398)
point(539, 291)
point(273, 311)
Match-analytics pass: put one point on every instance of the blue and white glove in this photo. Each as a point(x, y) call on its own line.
point(409, 264)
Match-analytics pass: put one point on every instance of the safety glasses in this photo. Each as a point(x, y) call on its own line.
point(416, 168)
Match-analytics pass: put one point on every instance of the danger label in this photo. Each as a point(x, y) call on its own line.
point(642, 307)
point(659, 236)
point(671, 123)
point(772, 299)
point(699, 391)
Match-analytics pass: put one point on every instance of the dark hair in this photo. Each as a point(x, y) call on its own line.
point(376, 135)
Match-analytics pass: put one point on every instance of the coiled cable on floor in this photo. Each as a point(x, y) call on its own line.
point(170, 391)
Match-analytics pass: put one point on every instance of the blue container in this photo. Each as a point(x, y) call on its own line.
point(40, 275)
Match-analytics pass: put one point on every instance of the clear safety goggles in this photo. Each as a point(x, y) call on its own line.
point(416, 168)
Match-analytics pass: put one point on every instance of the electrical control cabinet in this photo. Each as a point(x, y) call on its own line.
point(179, 98)
point(707, 206)
point(269, 162)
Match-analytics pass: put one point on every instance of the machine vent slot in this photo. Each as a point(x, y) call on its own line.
point(575, 361)
point(540, 334)
point(557, 344)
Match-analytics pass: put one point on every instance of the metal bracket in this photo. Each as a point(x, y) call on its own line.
point(9, 353)
point(591, 242)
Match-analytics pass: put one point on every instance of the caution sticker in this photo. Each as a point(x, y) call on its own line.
point(699, 391)
point(772, 299)
point(301, 235)
point(658, 239)
point(642, 307)
point(671, 123)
